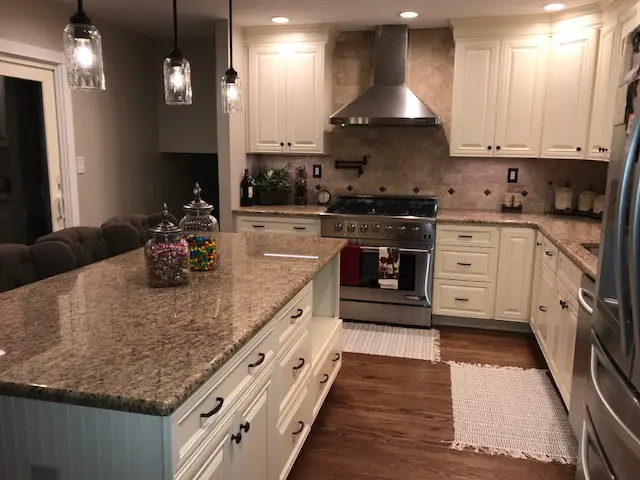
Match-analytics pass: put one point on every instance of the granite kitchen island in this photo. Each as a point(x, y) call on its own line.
point(111, 379)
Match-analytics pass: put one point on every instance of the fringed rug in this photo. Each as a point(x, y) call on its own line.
point(389, 341)
point(509, 411)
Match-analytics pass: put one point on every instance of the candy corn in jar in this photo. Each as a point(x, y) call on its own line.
point(201, 231)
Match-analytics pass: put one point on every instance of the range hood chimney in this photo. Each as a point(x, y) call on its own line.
point(389, 101)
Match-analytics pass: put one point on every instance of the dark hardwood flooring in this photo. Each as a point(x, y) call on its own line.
point(391, 418)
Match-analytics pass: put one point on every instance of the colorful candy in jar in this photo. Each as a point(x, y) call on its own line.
point(201, 230)
point(202, 251)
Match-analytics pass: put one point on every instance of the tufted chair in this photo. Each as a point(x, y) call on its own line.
point(140, 222)
point(22, 264)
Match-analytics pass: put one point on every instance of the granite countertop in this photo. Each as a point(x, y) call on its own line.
point(566, 233)
point(98, 336)
point(298, 210)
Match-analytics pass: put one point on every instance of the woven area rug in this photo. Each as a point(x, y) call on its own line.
point(509, 411)
point(389, 341)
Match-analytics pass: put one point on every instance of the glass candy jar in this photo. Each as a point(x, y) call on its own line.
point(166, 255)
point(201, 231)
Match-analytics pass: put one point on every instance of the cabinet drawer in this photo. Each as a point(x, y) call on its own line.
point(466, 263)
point(569, 274)
point(291, 368)
point(549, 253)
point(463, 299)
point(296, 312)
point(205, 408)
point(293, 432)
point(275, 225)
point(330, 364)
point(467, 235)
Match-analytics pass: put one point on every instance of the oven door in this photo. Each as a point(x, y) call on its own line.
point(415, 277)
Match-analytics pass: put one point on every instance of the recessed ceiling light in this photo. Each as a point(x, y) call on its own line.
point(2, 352)
point(279, 19)
point(554, 7)
point(409, 14)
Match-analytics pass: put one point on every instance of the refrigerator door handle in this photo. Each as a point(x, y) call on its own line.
point(634, 267)
point(585, 293)
point(599, 357)
point(590, 437)
point(621, 255)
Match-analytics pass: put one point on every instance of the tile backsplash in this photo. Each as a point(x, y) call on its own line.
point(415, 160)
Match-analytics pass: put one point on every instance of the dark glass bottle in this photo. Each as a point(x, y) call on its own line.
point(246, 190)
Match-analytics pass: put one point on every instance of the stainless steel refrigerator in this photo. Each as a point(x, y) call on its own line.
point(605, 405)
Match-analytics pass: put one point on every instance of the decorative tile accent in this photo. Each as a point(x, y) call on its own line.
point(416, 190)
point(451, 191)
point(382, 189)
point(487, 192)
point(349, 188)
point(318, 187)
point(524, 193)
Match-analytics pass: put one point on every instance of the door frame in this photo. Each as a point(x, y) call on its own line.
point(55, 61)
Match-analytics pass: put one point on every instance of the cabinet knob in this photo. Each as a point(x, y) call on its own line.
point(578, 149)
point(498, 147)
point(563, 304)
point(539, 244)
point(288, 144)
point(236, 438)
point(245, 427)
point(282, 144)
point(489, 147)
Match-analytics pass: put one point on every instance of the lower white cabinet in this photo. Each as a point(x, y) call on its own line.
point(463, 299)
point(275, 224)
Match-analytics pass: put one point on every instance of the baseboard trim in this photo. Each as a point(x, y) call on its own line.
point(445, 320)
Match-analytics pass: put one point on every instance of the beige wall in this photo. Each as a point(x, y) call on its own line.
point(116, 130)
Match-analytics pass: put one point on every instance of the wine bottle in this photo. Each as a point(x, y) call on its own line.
point(246, 189)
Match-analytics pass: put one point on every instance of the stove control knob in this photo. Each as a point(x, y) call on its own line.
point(375, 228)
point(364, 228)
point(388, 229)
point(351, 227)
point(402, 230)
point(416, 230)
point(338, 227)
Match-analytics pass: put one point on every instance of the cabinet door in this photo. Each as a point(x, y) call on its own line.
point(604, 94)
point(569, 95)
point(515, 274)
point(523, 76)
point(248, 458)
point(475, 92)
point(546, 313)
point(568, 345)
point(3, 113)
point(535, 286)
point(214, 467)
point(305, 99)
point(266, 102)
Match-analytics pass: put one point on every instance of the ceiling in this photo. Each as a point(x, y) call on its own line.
point(153, 17)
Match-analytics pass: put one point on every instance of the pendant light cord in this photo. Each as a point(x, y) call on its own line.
point(175, 25)
point(80, 6)
point(230, 34)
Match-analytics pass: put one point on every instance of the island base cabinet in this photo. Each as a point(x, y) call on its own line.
point(292, 434)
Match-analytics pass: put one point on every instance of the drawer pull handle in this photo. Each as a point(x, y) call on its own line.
point(299, 228)
point(299, 430)
point(245, 427)
point(548, 253)
point(465, 236)
point(464, 264)
point(236, 438)
point(325, 380)
point(336, 358)
point(259, 362)
point(300, 365)
point(215, 410)
point(297, 315)
point(542, 309)
point(461, 299)
point(257, 226)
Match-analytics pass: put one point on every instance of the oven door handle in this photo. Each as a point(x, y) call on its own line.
point(401, 250)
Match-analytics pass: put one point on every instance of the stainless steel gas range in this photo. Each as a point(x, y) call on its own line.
point(372, 222)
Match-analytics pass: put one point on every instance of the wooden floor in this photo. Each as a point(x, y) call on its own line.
point(391, 418)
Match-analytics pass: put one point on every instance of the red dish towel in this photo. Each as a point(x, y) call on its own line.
point(350, 262)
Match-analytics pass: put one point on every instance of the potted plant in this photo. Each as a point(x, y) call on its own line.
point(300, 187)
point(273, 185)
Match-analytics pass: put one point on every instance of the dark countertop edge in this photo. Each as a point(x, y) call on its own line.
point(145, 407)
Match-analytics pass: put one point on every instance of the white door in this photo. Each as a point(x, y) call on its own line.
point(546, 313)
point(267, 102)
point(523, 76)
point(604, 93)
point(537, 267)
point(305, 99)
point(515, 274)
point(568, 344)
point(45, 77)
point(569, 94)
point(475, 92)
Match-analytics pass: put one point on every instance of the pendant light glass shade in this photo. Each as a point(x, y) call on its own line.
point(177, 80)
point(231, 92)
point(83, 53)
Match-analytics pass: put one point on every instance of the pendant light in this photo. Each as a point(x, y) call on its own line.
point(231, 84)
point(177, 71)
point(83, 53)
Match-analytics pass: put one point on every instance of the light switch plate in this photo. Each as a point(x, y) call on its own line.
point(81, 164)
point(512, 175)
point(317, 171)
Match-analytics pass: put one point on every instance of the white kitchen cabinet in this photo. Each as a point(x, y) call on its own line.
point(604, 93)
point(475, 93)
point(535, 285)
point(289, 91)
point(570, 80)
point(3, 113)
point(278, 224)
point(546, 314)
point(521, 90)
point(515, 274)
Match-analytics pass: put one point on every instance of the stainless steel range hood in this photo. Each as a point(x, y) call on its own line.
point(389, 101)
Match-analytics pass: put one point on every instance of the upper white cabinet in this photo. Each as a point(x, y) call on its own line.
point(572, 60)
point(289, 89)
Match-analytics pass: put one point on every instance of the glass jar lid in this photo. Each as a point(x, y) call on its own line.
point(166, 228)
point(197, 205)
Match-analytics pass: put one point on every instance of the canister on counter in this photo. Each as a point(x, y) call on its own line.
point(166, 255)
point(201, 231)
